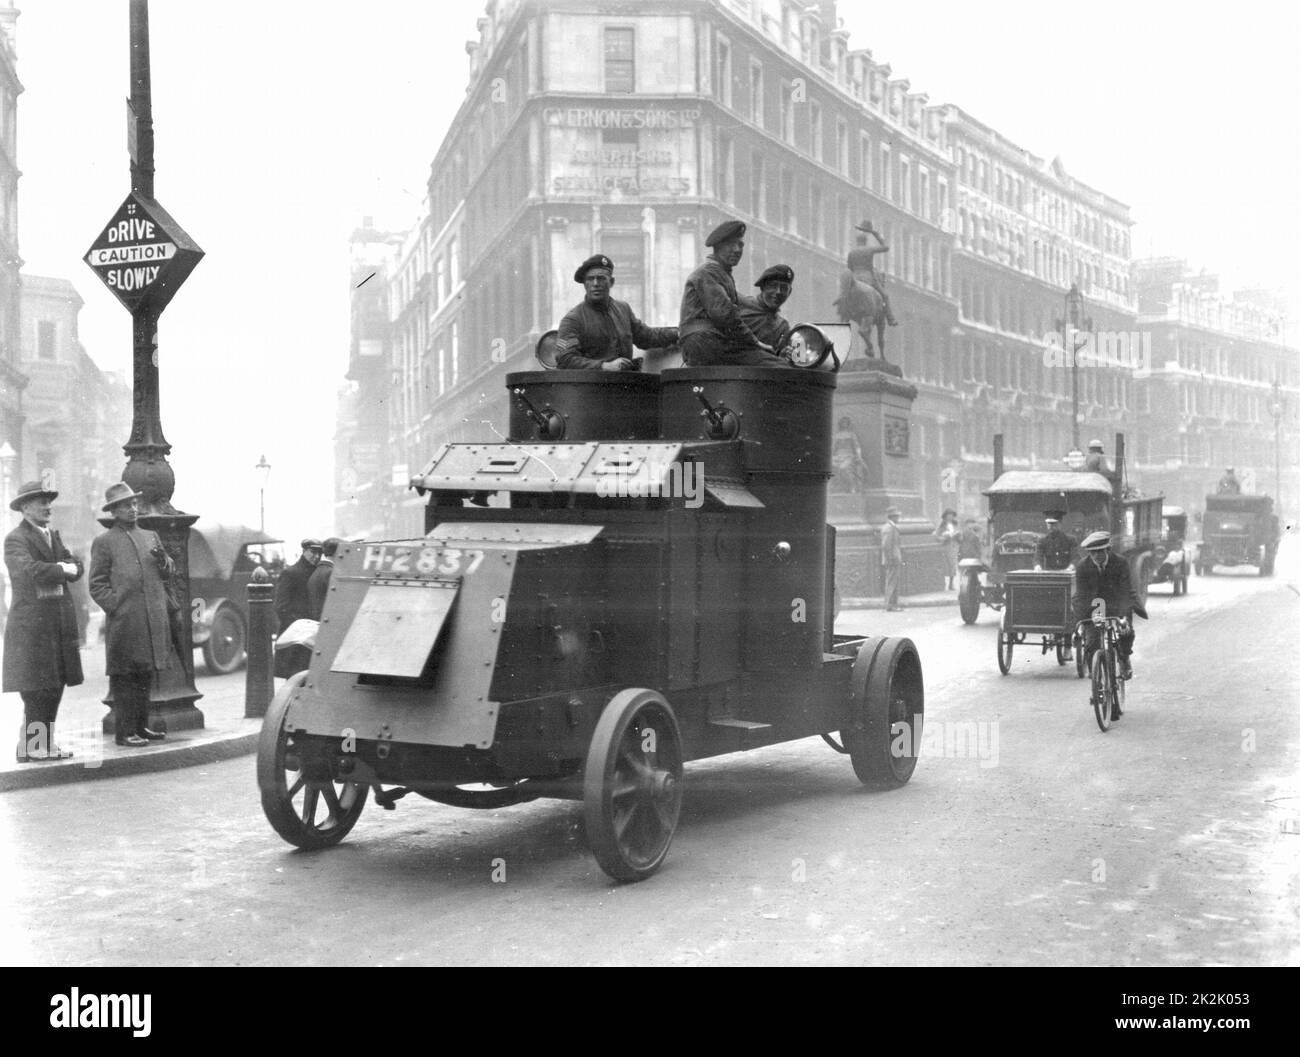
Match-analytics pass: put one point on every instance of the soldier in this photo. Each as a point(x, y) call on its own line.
point(862, 263)
point(599, 332)
point(711, 331)
point(762, 314)
point(1104, 575)
point(1055, 549)
point(41, 642)
point(891, 557)
point(1228, 483)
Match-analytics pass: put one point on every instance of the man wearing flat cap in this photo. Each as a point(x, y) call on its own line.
point(712, 332)
point(129, 572)
point(41, 639)
point(599, 332)
point(293, 602)
point(762, 314)
point(1102, 575)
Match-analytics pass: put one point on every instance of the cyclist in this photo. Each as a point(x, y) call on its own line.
point(1102, 574)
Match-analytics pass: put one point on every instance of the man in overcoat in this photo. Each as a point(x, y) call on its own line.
point(1102, 575)
point(318, 584)
point(293, 602)
point(598, 333)
point(41, 640)
point(129, 573)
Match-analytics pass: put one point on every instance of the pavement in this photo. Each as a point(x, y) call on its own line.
point(225, 734)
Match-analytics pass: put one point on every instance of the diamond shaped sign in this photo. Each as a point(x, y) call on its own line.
point(143, 255)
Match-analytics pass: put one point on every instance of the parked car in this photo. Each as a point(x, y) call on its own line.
point(222, 559)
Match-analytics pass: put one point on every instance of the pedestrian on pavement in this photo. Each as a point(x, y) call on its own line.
point(949, 537)
point(711, 330)
point(598, 333)
point(292, 602)
point(318, 583)
point(891, 557)
point(42, 648)
point(129, 574)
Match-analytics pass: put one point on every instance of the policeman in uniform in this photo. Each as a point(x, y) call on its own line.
point(1104, 575)
point(711, 330)
point(599, 332)
point(763, 313)
point(1056, 549)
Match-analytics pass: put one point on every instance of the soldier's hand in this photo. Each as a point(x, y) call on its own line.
point(68, 568)
point(620, 364)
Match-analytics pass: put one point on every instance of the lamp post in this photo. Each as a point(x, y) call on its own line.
point(1069, 328)
point(265, 468)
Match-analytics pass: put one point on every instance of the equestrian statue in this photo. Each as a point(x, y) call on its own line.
point(862, 299)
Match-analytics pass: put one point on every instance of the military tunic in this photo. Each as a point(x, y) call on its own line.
point(1056, 550)
point(768, 325)
point(590, 335)
point(711, 331)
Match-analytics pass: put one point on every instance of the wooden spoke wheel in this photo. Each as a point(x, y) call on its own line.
point(887, 713)
point(632, 785)
point(309, 812)
point(1006, 643)
point(224, 651)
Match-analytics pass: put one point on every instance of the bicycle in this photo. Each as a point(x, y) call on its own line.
point(1107, 686)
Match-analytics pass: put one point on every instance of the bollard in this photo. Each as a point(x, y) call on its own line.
point(259, 684)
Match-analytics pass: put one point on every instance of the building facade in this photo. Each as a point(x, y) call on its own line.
point(633, 129)
point(12, 379)
point(77, 416)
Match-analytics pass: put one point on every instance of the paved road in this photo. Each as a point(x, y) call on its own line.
point(1174, 839)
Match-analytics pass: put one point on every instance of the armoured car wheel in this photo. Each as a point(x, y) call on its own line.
point(968, 597)
point(224, 651)
point(308, 812)
point(1103, 689)
point(887, 713)
point(632, 785)
point(1006, 643)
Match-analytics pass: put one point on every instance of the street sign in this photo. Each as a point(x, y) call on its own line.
point(143, 255)
point(1075, 459)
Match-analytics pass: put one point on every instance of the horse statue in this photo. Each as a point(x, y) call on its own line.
point(862, 304)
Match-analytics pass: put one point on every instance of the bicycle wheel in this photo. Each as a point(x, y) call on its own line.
point(1102, 689)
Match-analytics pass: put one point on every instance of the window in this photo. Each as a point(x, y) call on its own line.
point(454, 268)
point(787, 111)
point(440, 284)
point(864, 171)
point(45, 339)
point(756, 93)
point(789, 216)
point(842, 146)
point(818, 217)
point(924, 176)
point(627, 251)
point(905, 181)
point(725, 186)
point(886, 172)
point(758, 187)
point(815, 120)
point(620, 73)
point(722, 71)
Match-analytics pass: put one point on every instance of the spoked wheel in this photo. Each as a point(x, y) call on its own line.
point(968, 597)
point(1103, 689)
point(224, 650)
point(632, 786)
point(308, 812)
point(887, 712)
point(1006, 643)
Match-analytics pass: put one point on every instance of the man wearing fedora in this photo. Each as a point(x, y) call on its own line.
point(891, 557)
point(129, 571)
point(598, 333)
point(41, 640)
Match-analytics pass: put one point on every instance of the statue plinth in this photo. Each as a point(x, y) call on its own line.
point(871, 454)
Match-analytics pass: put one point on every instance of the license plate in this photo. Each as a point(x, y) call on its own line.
point(405, 560)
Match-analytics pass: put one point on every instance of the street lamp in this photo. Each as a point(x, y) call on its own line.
point(1073, 310)
point(265, 468)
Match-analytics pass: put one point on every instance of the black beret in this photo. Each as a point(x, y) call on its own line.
point(598, 260)
point(728, 229)
point(782, 272)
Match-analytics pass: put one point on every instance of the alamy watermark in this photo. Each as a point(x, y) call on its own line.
point(1128, 349)
point(653, 478)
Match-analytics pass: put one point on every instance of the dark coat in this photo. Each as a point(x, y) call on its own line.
point(1055, 550)
point(293, 602)
point(318, 586)
point(710, 305)
point(1111, 583)
point(41, 640)
point(589, 336)
point(891, 549)
point(128, 585)
point(768, 325)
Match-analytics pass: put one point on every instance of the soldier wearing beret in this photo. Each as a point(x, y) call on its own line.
point(712, 332)
point(763, 313)
point(599, 332)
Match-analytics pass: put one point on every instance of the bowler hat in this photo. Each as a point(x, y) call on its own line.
point(596, 260)
point(779, 272)
point(1096, 541)
point(724, 232)
point(31, 490)
point(119, 493)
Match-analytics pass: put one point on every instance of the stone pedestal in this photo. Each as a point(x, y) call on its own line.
point(871, 455)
